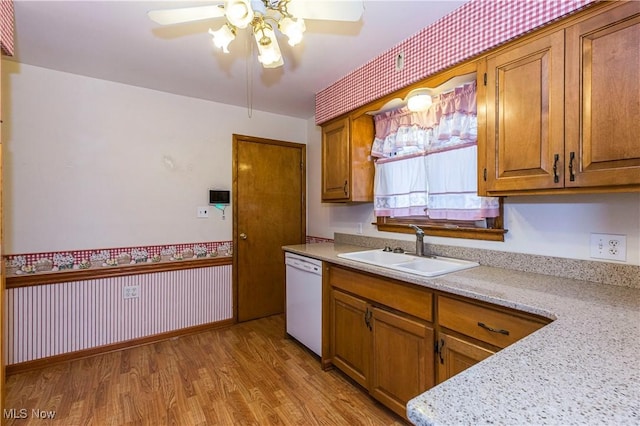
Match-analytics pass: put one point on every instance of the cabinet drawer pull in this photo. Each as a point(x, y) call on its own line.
point(556, 178)
point(494, 330)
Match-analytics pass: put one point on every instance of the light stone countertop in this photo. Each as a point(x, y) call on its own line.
point(583, 368)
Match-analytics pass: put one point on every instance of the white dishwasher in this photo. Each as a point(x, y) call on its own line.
point(304, 300)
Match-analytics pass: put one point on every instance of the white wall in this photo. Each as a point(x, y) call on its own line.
point(558, 225)
point(90, 163)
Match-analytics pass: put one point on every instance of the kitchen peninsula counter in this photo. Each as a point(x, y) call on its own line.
point(582, 368)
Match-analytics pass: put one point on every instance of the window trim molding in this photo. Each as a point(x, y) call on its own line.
point(447, 229)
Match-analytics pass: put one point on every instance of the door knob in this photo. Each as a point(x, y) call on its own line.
point(243, 236)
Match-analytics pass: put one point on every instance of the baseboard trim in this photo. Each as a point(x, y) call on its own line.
point(86, 353)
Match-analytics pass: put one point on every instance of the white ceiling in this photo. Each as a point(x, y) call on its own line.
point(114, 40)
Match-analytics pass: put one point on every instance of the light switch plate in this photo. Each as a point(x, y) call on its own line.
point(203, 212)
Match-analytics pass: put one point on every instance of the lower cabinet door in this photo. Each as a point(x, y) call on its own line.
point(402, 359)
point(456, 355)
point(350, 336)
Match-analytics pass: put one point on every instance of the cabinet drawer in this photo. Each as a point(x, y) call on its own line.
point(484, 323)
point(408, 298)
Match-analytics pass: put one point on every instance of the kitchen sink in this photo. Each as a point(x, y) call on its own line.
point(426, 266)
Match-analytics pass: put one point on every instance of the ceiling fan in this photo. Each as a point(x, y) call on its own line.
point(287, 15)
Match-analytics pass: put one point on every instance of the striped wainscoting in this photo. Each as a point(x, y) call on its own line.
point(53, 319)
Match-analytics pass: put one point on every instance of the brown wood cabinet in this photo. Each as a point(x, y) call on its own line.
point(562, 108)
point(347, 168)
point(402, 358)
point(456, 355)
point(469, 332)
point(602, 99)
point(524, 115)
point(385, 335)
point(388, 352)
point(350, 336)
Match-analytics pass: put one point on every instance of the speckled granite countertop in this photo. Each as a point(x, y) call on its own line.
point(583, 368)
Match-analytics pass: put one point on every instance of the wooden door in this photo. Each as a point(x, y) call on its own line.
point(403, 363)
point(336, 161)
point(269, 212)
point(525, 120)
point(350, 336)
point(603, 99)
point(456, 355)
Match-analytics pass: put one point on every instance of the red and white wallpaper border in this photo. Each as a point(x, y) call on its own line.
point(27, 263)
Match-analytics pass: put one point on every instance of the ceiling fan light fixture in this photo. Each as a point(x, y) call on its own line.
point(221, 38)
point(292, 28)
point(285, 15)
point(269, 53)
point(239, 13)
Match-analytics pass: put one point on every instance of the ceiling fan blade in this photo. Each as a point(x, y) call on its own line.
point(185, 14)
point(350, 11)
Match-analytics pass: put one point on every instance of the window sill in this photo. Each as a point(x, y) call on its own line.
point(40, 278)
point(444, 231)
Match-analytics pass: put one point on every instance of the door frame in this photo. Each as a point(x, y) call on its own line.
point(237, 139)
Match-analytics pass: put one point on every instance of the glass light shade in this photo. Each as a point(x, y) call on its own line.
point(293, 29)
point(269, 53)
point(419, 102)
point(223, 37)
point(239, 12)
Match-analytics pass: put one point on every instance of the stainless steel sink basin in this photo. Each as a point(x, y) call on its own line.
point(425, 266)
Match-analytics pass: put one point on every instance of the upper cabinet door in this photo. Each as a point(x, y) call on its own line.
point(603, 99)
point(525, 129)
point(336, 161)
point(347, 167)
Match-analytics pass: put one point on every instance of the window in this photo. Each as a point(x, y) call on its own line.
point(426, 170)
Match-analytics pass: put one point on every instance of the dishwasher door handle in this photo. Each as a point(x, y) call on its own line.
point(304, 266)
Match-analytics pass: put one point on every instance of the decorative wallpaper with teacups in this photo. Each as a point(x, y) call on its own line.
point(30, 263)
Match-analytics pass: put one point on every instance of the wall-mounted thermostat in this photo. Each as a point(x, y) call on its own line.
point(219, 197)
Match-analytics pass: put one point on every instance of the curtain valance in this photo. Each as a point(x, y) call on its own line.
point(451, 120)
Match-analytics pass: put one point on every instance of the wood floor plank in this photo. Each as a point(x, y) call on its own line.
point(245, 374)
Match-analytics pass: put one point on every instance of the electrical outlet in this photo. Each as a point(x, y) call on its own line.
point(609, 247)
point(203, 212)
point(131, 292)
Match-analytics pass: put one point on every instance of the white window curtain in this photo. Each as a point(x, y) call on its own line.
point(427, 161)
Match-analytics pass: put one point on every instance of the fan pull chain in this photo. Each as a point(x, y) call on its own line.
point(249, 74)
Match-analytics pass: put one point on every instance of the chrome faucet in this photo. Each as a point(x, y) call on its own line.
point(419, 240)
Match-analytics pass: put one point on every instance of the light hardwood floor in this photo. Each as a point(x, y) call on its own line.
point(246, 374)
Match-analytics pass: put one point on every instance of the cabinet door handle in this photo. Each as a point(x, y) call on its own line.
point(493, 330)
point(344, 188)
point(572, 156)
point(440, 350)
point(556, 178)
point(367, 319)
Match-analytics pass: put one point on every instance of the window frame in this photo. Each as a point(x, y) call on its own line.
point(445, 228)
